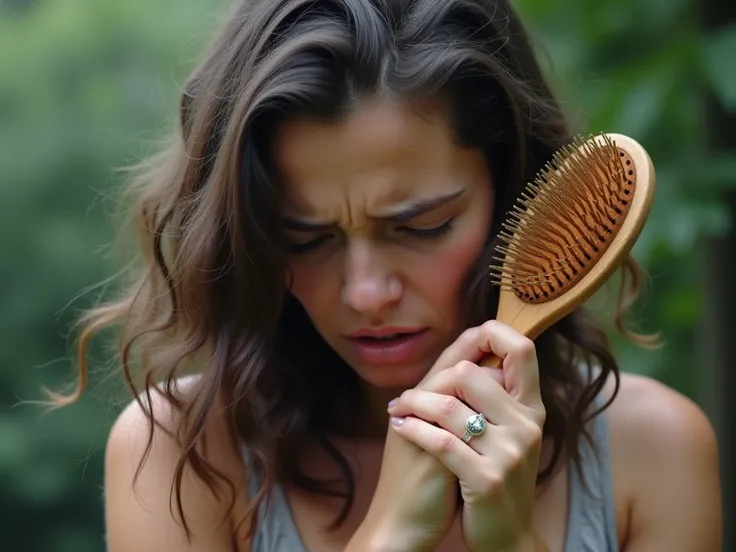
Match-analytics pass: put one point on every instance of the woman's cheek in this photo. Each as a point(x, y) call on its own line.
point(307, 283)
point(445, 270)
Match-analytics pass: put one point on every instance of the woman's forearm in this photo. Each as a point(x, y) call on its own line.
point(375, 538)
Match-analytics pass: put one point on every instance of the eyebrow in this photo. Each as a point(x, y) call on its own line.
point(403, 214)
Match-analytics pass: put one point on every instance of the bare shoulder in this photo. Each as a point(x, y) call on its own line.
point(649, 415)
point(665, 458)
point(144, 516)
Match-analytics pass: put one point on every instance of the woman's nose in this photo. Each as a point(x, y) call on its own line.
point(370, 285)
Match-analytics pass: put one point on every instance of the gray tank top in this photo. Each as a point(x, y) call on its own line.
point(591, 524)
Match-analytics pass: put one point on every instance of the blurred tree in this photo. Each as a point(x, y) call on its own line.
point(718, 346)
point(85, 86)
point(642, 68)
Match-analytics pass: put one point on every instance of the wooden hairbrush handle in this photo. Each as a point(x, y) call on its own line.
point(570, 230)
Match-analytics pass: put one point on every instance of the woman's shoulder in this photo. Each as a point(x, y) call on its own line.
point(651, 417)
point(141, 512)
point(665, 461)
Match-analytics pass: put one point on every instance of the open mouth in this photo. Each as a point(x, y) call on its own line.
point(385, 338)
point(393, 348)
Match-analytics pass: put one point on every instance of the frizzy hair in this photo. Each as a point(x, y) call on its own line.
point(209, 287)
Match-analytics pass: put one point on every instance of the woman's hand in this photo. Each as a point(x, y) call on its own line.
point(497, 469)
point(415, 502)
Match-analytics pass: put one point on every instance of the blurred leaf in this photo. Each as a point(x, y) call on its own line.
point(682, 307)
point(83, 84)
point(719, 53)
point(14, 445)
point(719, 171)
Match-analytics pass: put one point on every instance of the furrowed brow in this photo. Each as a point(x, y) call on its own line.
point(403, 214)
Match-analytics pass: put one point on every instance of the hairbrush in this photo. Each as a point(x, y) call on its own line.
point(570, 229)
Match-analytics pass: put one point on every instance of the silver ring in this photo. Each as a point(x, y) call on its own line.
point(475, 425)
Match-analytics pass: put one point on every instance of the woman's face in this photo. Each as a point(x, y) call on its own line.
point(385, 216)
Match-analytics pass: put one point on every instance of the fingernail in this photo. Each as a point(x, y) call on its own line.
point(392, 402)
point(396, 421)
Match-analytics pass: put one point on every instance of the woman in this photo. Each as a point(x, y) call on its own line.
point(315, 248)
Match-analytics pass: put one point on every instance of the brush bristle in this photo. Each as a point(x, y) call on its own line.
point(565, 219)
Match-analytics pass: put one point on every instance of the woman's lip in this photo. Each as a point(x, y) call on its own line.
point(400, 350)
point(382, 332)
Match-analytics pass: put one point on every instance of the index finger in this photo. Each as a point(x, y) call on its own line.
point(520, 366)
point(471, 345)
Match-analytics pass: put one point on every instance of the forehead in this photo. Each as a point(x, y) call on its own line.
point(381, 152)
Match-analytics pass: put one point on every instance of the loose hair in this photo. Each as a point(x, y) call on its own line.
point(209, 288)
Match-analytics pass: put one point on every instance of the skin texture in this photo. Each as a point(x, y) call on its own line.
point(496, 471)
point(370, 273)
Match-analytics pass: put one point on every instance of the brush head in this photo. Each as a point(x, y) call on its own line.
point(566, 219)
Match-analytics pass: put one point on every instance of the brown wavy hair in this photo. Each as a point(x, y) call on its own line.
point(208, 289)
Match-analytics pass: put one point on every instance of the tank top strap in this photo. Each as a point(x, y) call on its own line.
point(275, 530)
point(591, 522)
point(592, 519)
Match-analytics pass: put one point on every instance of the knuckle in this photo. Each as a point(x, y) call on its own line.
point(526, 348)
point(514, 457)
point(489, 326)
point(444, 443)
point(535, 434)
point(541, 416)
point(469, 335)
point(448, 405)
point(466, 339)
point(531, 434)
point(407, 395)
point(492, 485)
point(465, 370)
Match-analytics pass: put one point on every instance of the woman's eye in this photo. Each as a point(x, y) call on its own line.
point(305, 247)
point(300, 247)
point(431, 232)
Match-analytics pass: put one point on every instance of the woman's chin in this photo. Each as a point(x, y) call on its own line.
point(387, 377)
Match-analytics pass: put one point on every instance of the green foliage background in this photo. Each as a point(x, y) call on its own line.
point(87, 85)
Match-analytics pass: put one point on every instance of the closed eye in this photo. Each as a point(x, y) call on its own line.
point(431, 232)
point(412, 231)
point(304, 247)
